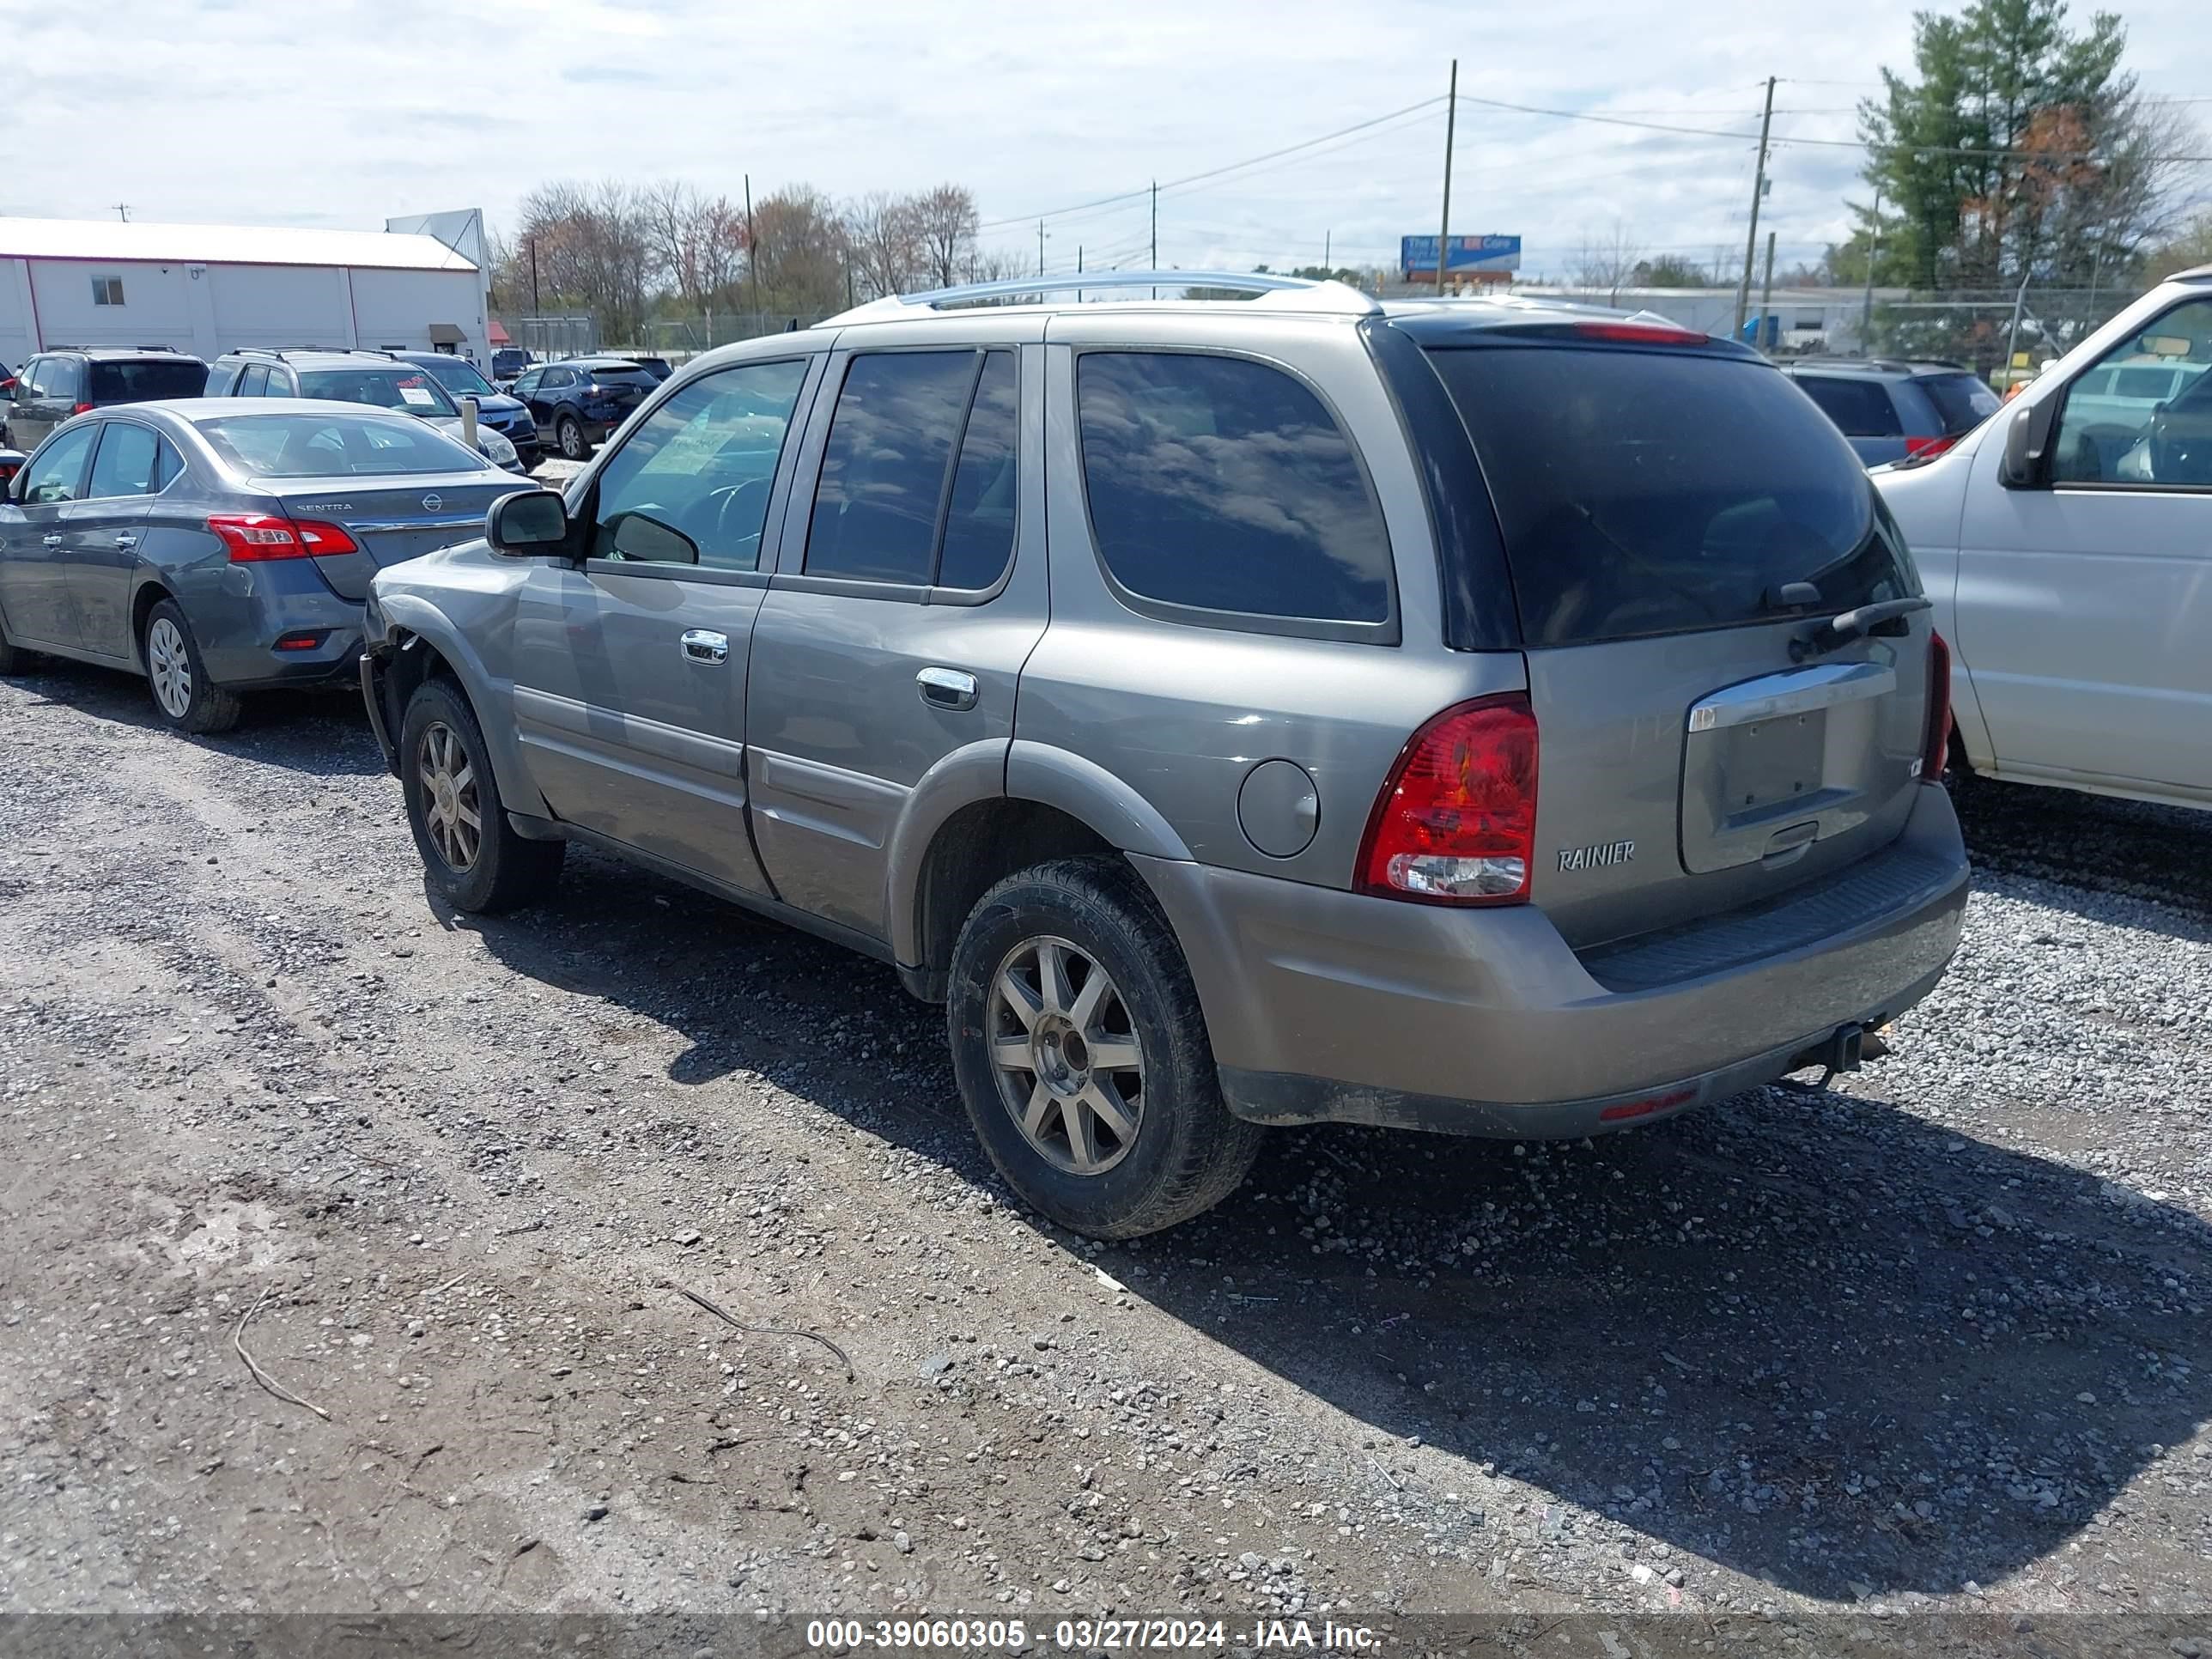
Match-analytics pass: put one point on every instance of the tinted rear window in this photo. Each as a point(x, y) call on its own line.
point(1644, 492)
point(1963, 401)
point(1860, 409)
point(643, 377)
point(334, 446)
point(410, 389)
point(143, 382)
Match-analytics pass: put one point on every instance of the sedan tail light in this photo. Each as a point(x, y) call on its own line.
point(255, 537)
point(1456, 821)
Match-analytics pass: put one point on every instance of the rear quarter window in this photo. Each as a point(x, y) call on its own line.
point(1222, 484)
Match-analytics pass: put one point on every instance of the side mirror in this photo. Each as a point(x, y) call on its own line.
point(528, 523)
point(2027, 443)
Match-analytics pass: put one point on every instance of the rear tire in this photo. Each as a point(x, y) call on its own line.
point(470, 850)
point(571, 435)
point(1082, 1054)
point(185, 697)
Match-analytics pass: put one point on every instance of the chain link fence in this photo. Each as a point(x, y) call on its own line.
point(2001, 335)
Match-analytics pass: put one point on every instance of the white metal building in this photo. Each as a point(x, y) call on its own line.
point(207, 289)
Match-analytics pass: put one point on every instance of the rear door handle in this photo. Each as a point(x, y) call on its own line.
point(947, 688)
point(125, 539)
point(703, 645)
point(50, 541)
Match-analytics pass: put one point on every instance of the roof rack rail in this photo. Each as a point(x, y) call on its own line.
point(1281, 293)
point(108, 345)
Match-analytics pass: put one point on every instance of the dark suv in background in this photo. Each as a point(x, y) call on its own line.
point(70, 381)
point(1893, 411)
point(577, 404)
point(504, 415)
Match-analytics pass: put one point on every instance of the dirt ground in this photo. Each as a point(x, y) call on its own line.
point(1935, 1340)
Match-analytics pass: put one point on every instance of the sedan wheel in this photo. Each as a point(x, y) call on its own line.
point(169, 667)
point(450, 810)
point(573, 446)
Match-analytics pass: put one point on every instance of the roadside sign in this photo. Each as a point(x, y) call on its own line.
point(1468, 253)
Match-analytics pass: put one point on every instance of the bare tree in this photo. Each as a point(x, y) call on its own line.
point(592, 245)
point(1607, 264)
point(697, 241)
point(945, 221)
point(798, 252)
point(885, 233)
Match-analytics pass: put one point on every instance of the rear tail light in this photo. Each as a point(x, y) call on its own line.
point(1456, 821)
point(253, 537)
point(1642, 333)
point(82, 409)
point(1937, 755)
point(1927, 448)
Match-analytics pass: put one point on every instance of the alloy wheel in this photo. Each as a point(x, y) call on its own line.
point(1065, 1053)
point(450, 810)
point(169, 666)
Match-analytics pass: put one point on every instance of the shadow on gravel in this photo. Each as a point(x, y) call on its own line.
point(2090, 849)
point(1810, 1336)
point(323, 730)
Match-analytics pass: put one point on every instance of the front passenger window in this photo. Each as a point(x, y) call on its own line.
point(57, 473)
point(2142, 415)
point(691, 485)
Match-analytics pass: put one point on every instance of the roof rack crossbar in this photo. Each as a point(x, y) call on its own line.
point(1287, 292)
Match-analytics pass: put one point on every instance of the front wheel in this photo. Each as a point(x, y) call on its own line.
point(184, 696)
point(1082, 1055)
point(470, 852)
point(574, 448)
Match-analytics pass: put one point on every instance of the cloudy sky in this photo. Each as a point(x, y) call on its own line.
point(339, 112)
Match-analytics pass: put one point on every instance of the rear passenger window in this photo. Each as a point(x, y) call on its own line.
point(1860, 409)
point(254, 383)
point(885, 468)
point(979, 524)
point(126, 461)
point(1225, 484)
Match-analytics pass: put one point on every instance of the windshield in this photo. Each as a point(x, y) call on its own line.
point(143, 382)
point(1645, 492)
point(401, 387)
point(334, 446)
point(460, 377)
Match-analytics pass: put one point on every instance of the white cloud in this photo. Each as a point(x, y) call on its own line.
point(340, 113)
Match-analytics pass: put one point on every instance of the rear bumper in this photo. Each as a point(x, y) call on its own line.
point(1325, 1005)
point(239, 623)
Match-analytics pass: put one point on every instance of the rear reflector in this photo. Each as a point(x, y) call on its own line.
point(299, 642)
point(1937, 754)
point(1456, 821)
point(1628, 1109)
point(254, 537)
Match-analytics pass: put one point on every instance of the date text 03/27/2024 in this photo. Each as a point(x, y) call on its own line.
point(1090, 1635)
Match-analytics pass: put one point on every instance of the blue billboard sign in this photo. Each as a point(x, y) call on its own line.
point(1467, 254)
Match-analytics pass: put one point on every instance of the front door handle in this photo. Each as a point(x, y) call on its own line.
point(50, 541)
point(125, 540)
point(703, 645)
point(947, 688)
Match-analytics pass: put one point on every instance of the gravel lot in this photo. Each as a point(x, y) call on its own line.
point(1935, 1339)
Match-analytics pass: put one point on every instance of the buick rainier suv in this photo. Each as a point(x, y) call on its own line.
point(1482, 716)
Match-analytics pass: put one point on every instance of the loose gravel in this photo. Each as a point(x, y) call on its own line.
point(1933, 1340)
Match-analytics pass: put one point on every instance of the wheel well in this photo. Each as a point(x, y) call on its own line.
point(142, 606)
point(974, 850)
point(413, 661)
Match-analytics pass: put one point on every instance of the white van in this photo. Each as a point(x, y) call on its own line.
point(2068, 544)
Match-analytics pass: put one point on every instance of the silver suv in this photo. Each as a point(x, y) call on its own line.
point(1477, 716)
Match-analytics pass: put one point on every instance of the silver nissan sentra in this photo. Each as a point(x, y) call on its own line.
point(1483, 716)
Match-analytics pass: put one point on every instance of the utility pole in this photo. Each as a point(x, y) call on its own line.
point(1766, 296)
point(1758, 191)
point(1328, 240)
point(123, 212)
point(752, 256)
point(1866, 310)
point(1451, 118)
point(1155, 224)
point(1040, 247)
point(530, 242)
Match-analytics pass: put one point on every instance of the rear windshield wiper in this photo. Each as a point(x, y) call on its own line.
point(1885, 618)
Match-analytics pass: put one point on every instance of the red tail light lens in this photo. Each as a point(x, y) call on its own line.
point(254, 537)
point(1456, 822)
point(82, 409)
point(1938, 754)
point(1927, 448)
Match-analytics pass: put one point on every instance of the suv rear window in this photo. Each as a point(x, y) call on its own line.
point(1649, 492)
point(1224, 485)
point(143, 382)
point(1860, 409)
point(638, 377)
point(410, 389)
point(1963, 401)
